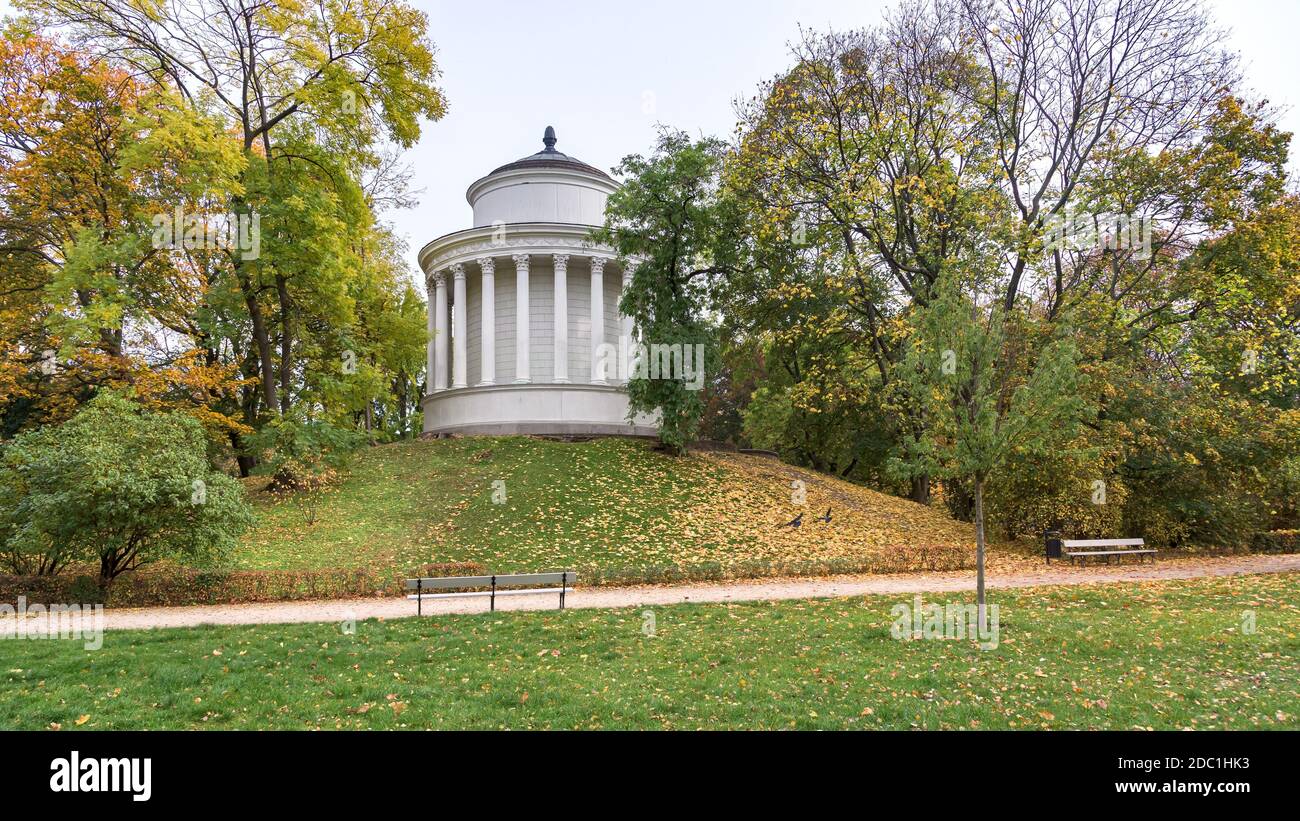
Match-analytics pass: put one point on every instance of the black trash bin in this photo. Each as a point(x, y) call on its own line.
point(1052, 544)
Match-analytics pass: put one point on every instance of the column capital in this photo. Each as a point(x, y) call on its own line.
point(521, 260)
point(438, 278)
point(598, 265)
point(561, 260)
point(487, 265)
point(458, 270)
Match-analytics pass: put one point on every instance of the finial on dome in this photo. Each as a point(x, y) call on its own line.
point(549, 138)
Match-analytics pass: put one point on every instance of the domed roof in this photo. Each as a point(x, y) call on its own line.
point(548, 157)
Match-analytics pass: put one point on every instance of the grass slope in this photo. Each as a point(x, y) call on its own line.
point(612, 504)
point(1158, 655)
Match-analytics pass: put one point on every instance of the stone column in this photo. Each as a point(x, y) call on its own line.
point(561, 323)
point(599, 365)
point(488, 345)
point(459, 332)
point(521, 319)
point(440, 331)
point(626, 325)
point(432, 329)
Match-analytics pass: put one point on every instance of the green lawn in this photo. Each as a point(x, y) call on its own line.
point(1166, 655)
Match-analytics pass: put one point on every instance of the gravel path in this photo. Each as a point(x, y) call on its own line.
point(764, 589)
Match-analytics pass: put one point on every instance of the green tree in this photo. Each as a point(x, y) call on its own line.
point(87, 154)
point(960, 367)
point(312, 94)
point(667, 222)
point(118, 485)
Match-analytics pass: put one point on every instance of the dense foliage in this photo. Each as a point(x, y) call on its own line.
point(1041, 259)
point(190, 216)
point(116, 486)
point(205, 230)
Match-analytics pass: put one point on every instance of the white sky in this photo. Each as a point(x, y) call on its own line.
point(604, 72)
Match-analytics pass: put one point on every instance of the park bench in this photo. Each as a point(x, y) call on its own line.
point(490, 586)
point(1109, 548)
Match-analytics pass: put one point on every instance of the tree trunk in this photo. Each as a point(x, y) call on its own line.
point(286, 341)
point(959, 500)
point(979, 554)
point(263, 341)
point(399, 388)
point(246, 462)
point(921, 489)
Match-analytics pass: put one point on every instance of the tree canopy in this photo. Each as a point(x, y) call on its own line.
point(1004, 255)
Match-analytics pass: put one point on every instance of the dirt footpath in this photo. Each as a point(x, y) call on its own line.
point(762, 589)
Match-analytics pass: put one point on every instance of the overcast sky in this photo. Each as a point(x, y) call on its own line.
point(604, 72)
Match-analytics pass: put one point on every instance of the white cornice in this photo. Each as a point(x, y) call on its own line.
point(519, 238)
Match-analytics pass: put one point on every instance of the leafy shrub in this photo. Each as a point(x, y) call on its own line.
point(1057, 492)
point(297, 452)
point(1276, 541)
point(85, 590)
point(118, 486)
point(166, 585)
point(438, 569)
point(303, 458)
point(898, 559)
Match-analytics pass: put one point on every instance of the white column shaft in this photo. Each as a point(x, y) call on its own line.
point(561, 324)
point(599, 365)
point(521, 319)
point(626, 325)
point(627, 320)
point(488, 345)
point(459, 332)
point(440, 332)
point(428, 348)
point(627, 328)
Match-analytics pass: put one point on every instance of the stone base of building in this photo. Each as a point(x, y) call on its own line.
point(528, 409)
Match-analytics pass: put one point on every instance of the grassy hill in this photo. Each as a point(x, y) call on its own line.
point(614, 508)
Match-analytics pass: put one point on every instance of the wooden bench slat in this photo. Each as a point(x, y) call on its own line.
point(506, 584)
point(1100, 542)
point(1107, 552)
point(1057, 547)
point(508, 580)
point(449, 581)
point(535, 578)
point(511, 592)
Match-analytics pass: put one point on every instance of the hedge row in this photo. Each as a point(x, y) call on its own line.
point(898, 559)
point(167, 585)
point(1276, 541)
point(174, 586)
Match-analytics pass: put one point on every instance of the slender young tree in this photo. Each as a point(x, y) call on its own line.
point(960, 366)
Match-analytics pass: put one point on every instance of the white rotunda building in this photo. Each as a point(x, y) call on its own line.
point(523, 308)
